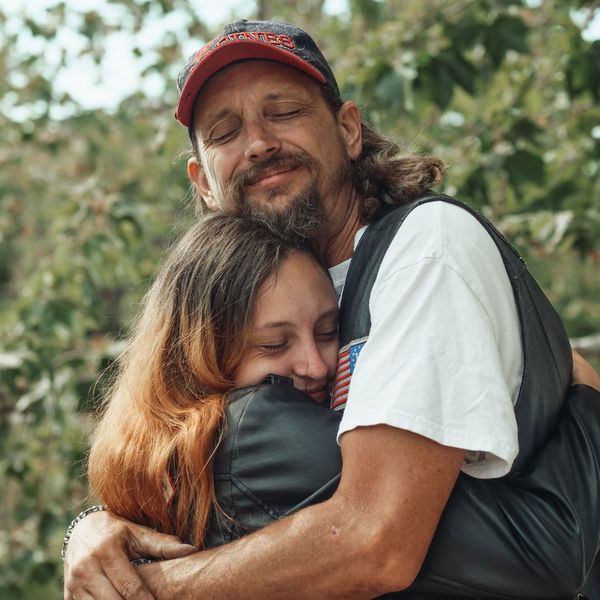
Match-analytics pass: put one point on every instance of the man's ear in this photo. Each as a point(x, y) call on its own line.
point(199, 180)
point(348, 118)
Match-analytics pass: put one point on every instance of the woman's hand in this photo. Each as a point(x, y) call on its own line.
point(584, 373)
point(97, 561)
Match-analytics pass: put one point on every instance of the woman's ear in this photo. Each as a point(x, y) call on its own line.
point(348, 118)
point(199, 180)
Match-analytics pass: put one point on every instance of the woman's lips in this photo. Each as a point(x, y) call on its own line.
point(319, 395)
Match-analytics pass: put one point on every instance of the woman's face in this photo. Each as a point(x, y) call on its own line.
point(294, 330)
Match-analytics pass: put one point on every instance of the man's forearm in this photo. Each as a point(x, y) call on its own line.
point(370, 538)
point(544, 561)
point(308, 555)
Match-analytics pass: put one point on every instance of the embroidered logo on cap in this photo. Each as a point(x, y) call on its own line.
point(265, 37)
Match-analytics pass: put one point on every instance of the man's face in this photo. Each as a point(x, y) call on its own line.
point(269, 144)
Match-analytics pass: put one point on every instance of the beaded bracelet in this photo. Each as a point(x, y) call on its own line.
point(79, 517)
point(136, 562)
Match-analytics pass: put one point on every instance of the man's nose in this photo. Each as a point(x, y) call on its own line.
point(261, 142)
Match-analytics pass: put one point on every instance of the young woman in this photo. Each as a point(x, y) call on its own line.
point(233, 303)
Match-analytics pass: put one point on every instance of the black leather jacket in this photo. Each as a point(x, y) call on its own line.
point(532, 534)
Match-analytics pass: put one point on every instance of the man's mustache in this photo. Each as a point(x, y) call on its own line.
point(282, 162)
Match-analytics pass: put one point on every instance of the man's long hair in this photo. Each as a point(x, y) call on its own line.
point(162, 419)
point(383, 174)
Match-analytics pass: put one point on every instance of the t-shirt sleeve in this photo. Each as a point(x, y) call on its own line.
point(433, 363)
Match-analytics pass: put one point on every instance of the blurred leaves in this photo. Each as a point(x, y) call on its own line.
point(583, 70)
point(506, 93)
point(504, 34)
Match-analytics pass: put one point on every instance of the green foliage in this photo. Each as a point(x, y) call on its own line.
point(506, 94)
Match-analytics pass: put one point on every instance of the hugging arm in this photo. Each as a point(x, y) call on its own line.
point(330, 549)
point(370, 537)
point(531, 536)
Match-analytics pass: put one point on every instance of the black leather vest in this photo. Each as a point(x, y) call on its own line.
point(546, 349)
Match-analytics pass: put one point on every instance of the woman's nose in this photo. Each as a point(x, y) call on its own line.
point(310, 363)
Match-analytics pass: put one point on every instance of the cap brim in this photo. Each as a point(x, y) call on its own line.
point(224, 55)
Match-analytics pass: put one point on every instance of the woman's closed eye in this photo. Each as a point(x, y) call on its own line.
point(327, 328)
point(272, 347)
point(330, 334)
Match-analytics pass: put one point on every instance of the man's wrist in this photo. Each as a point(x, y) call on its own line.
point(82, 515)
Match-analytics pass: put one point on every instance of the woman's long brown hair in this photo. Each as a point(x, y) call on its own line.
point(163, 415)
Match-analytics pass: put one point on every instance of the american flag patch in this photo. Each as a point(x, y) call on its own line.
point(347, 357)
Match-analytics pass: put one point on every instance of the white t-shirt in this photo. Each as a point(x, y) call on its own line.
point(443, 358)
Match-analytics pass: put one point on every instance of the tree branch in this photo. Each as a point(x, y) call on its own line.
point(588, 345)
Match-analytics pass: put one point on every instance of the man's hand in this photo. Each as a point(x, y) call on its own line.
point(97, 558)
point(584, 373)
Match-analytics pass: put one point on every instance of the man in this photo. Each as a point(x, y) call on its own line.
point(273, 138)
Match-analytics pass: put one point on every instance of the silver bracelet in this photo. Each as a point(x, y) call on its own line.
point(79, 517)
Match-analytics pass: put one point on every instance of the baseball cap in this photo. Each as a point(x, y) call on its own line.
point(241, 40)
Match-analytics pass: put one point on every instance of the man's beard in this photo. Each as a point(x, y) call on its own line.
point(303, 215)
